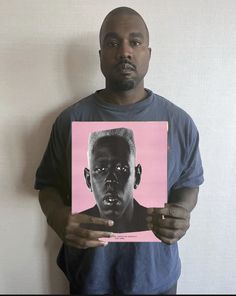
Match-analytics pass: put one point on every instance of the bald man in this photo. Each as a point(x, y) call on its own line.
point(91, 265)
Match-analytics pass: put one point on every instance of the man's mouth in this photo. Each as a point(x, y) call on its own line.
point(125, 67)
point(111, 200)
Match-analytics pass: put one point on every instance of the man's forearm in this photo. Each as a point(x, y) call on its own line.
point(185, 197)
point(54, 209)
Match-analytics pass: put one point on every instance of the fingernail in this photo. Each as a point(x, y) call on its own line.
point(104, 243)
point(110, 223)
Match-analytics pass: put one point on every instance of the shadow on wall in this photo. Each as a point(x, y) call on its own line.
point(78, 69)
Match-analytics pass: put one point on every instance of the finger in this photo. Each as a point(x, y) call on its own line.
point(168, 241)
point(151, 211)
point(83, 243)
point(92, 234)
point(90, 244)
point(177, 224)
point(82, 218)
point(169, 222)
point(164, 239)
point(169, 233)
point(178, 210)
point(168, 236)
point(172, 211)
point(76, 230)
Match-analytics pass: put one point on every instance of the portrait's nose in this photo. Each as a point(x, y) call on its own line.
point(111, 178)
point(125, 51)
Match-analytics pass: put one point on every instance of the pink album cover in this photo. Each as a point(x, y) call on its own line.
point(119, 170)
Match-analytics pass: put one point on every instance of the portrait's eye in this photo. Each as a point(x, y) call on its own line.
point(118, 168)
point(99, 170)
point(122, 168)
point(125, 169)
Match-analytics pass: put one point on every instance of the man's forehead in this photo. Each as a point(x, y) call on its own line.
point(110, 35)
point(132, 23)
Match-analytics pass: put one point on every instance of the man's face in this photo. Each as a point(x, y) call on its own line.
point(124, 54)
point(112, 176)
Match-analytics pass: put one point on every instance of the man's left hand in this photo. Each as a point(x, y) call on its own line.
point(170, 223)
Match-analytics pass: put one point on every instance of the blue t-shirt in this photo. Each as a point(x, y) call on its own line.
point(129, 268)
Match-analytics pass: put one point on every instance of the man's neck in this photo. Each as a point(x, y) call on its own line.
point(123, 97)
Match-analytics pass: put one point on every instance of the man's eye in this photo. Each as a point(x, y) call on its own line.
point(136, 43)
point(113, 43)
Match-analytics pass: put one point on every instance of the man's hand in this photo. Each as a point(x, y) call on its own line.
point(170, 223)
point(67, 225)
point(79, 237)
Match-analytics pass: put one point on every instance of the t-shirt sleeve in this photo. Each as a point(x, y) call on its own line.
point(192, 170)
point(53, 167)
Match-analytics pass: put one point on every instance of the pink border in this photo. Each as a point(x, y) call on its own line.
point(151, 147)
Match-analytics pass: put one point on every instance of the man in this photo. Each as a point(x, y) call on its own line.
point(112, 178)
point(122, 268)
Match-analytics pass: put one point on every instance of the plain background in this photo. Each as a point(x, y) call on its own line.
point(49, 60)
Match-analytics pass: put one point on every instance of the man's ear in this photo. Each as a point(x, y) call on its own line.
point(150, 52)
point(138, 173)
point(87, 178)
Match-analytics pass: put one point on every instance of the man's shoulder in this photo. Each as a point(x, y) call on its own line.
point(174, 114)
point(78, 108)
point(78, 111)
point(170, 107)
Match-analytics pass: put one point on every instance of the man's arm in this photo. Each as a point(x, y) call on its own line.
point(170, 223)
point(185, 197)
point(67, 225)
point(56, 212)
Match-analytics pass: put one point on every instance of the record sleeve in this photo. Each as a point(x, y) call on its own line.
point(119, 169)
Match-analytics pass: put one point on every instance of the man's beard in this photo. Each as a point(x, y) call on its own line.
point(122, 85)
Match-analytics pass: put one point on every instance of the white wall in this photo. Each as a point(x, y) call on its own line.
point(48, 58)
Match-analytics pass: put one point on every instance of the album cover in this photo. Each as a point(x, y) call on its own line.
point(119, 170)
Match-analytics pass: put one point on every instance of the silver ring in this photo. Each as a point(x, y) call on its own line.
point(163, 217)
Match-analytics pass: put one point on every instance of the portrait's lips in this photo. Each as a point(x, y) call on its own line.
point(111, 200)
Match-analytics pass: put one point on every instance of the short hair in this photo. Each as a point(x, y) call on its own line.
point(119, 11)
point(124, 133)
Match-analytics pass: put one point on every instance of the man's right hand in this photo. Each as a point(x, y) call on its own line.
point(67, 225)
point(79, 237)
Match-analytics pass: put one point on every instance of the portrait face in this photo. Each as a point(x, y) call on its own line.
point(112, 176)
point(124, 53)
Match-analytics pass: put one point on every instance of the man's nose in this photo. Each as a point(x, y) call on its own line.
point(125, 50)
